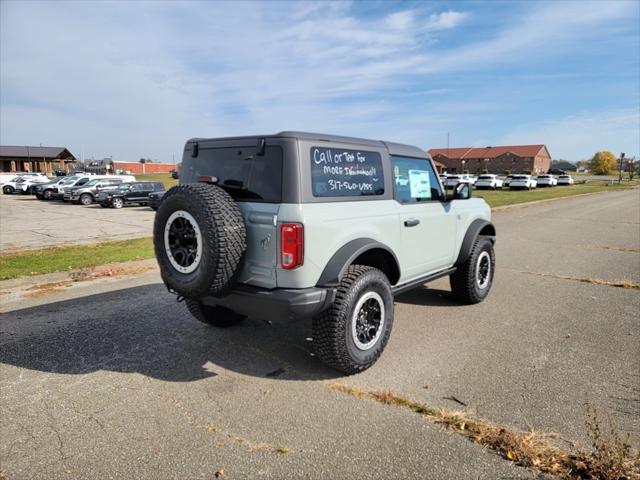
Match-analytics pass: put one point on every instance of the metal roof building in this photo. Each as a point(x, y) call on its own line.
point(15, 158)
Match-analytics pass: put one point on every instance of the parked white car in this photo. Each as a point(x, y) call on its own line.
point(565, 180)
point(6, 177)
point(21, 183)
point(489, 181)
point(522, 181)
point(453, 180)
point(31, 180)
point(546, 181)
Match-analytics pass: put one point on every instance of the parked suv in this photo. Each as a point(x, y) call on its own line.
point(20, 183)
point(299, 225)
point(86, 194)
point(57, 192)
point(129, 193)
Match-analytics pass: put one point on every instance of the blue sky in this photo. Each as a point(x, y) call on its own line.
point(136, 79)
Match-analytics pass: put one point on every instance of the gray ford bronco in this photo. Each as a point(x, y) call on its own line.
point(303, 225)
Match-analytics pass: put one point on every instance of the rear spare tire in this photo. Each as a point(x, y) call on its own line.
point(200, 240)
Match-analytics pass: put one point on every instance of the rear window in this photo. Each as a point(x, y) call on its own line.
point(339, 172)
point(243, 174)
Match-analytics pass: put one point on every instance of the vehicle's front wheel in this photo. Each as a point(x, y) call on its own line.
point(47, 194)
point(117, 202)
point(86, 199)
point(352, 333)
point(8, 190)
point(213, 315)
point(472, 280)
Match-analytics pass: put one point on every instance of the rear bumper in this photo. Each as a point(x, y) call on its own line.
point(276, 304)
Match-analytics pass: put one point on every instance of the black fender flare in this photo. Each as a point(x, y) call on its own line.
point(477, 226)
point(340, 261)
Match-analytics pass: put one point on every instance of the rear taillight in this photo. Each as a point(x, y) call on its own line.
point(291, 245)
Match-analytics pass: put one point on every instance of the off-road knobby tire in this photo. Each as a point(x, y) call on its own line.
point(223, 240)
point(332, 328)
point(463, 280)
point(216, 316)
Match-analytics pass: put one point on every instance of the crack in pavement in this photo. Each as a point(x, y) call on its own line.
point(624, 283)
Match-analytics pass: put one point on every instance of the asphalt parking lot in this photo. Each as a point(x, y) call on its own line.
point(31, 223)
point(118, 381)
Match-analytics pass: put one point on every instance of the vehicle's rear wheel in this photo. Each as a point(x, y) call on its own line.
point(117, 202)
point(472, 280)
point(86, 199)
point(200, 239)
point(352, 334)
point(47, 194)
point(213, 315)
point(8, 189)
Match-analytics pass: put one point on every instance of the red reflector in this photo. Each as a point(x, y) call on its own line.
point(291, 245)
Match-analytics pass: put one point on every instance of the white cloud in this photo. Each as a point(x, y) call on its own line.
point(445, 20)
point(578, 137)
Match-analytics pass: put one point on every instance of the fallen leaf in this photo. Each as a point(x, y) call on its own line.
point(510, 455)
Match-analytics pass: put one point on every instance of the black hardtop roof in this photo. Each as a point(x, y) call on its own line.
point(392, 148)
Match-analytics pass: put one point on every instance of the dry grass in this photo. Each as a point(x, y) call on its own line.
point(624, 283)
point(611, 457)
point(83, 275)
point(117, 271)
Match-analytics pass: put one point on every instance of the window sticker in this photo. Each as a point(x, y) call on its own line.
point(419, 184)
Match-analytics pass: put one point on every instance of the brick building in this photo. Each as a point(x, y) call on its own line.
point(515, 159)
point(35, 159)
point(108, 165)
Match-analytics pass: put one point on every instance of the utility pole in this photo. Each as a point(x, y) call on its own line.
point(621, 160)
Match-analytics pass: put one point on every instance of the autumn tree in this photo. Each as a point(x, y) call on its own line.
point(602, 163)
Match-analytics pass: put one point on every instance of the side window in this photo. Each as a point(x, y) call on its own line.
point(338, 172)
point(82, 181)
point(414, 180)
point(147, 187)
point(136, 188)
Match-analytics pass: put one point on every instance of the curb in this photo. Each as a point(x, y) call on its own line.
point(29, 288)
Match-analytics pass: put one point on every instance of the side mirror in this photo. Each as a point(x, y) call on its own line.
point(462, 192)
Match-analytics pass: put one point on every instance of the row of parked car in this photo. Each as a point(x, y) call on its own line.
point(513, 182)
point(114, 191)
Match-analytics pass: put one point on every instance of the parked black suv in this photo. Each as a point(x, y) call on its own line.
point(128, 193)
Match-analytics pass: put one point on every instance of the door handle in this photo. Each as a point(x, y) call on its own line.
point(412, 222)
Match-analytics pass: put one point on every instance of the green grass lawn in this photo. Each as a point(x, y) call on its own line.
point(158, 177)
point(499, 198)
point(57, 259)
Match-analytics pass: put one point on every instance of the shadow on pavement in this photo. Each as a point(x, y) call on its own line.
point(428, 297)
point(144, 330)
